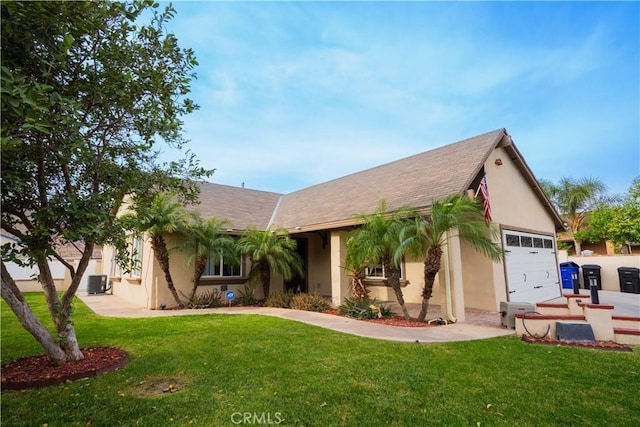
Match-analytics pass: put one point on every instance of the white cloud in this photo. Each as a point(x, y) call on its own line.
point(293, 94)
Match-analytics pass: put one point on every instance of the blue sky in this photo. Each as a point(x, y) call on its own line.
point(295, 94)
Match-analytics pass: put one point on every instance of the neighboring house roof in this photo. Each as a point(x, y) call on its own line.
point(74, 251)
point(67, 251)
point(413, 181)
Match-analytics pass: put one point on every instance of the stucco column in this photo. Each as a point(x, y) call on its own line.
point(499, 284)
point(339, 278)
point(452, 260)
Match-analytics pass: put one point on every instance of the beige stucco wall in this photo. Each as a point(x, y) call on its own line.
point(513, 203)
point(609, 265)
point(480, 290)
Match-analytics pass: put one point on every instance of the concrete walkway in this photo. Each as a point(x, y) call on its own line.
point(114, 306)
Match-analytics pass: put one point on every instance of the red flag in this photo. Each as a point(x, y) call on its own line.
point(484, 189)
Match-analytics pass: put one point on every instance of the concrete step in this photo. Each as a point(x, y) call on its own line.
point(552, 308)
point(628, 336)
point(541, 324)
point(626, 322)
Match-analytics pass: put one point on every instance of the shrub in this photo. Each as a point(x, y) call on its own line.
point(364, 308)
point(209, 299)
point(246, 296)
point(279, 299)
point(309, 302)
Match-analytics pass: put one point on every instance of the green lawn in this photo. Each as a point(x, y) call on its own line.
point(294, 374)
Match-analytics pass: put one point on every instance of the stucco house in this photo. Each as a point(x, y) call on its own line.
point(319, 217)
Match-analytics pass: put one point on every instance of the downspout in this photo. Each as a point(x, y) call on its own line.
point(447, 280)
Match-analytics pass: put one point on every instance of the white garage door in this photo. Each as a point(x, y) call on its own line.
point(532, 272)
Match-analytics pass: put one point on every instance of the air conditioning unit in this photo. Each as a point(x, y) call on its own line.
point(97, 284)
point(508, 312)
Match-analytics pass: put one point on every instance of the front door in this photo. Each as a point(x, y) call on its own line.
point(298, 283)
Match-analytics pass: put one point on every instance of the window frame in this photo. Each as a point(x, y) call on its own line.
point(116, 268)
point(383, 277)
point(136, 256)
point(221, 267)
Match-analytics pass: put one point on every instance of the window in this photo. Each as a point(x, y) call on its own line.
point(136, 256)
point(513, 240)
point(116, 270)
point(377, 272)
point(218, 267)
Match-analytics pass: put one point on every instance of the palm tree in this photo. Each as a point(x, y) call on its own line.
point(574, 199)
point(159, 217)
point(378, 239)
point(270, 252)
point(356, 266)
point(204, 240)
point(426, 235)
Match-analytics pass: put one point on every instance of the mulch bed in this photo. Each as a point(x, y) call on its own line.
point(393, 321)
point(39, 371)
point(598, 345)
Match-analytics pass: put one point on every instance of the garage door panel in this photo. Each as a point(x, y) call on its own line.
point(532, 274)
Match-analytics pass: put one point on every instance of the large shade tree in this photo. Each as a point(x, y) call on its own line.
point(574, 199)
point(376, 241)
point(89, 91)
point(270, 251)
point(426, 236)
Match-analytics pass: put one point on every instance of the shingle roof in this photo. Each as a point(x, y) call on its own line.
point(242, 206)
point(415, 181)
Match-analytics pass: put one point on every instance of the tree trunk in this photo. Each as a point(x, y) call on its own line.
point(431, 269)
point(265, 279)
point(12, 295)
point(66, 330)
point(578, 245)
point(359, 288)
point(161, 252)
point(61, 310)
point(393, 278)
point(398, 291)
point(200, 265)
